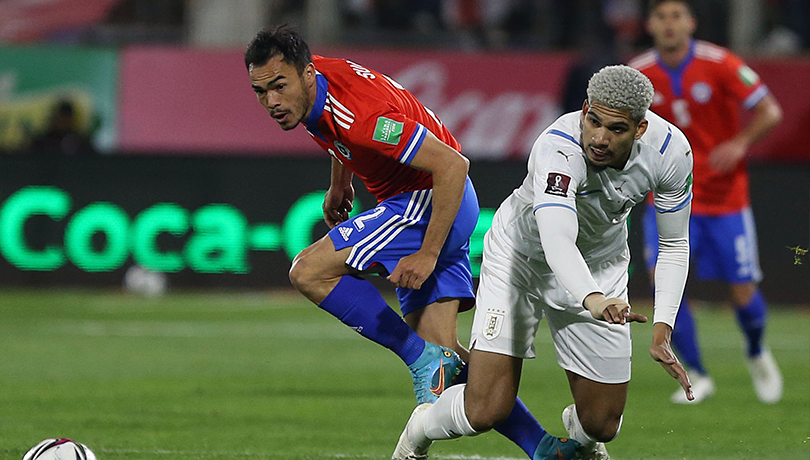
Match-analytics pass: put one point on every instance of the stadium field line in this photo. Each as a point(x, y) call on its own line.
point(309, 331)
point(214, 454)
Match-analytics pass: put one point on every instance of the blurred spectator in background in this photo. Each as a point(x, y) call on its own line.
point(599, 49)
point(62, 137)
point(789, 22)
point(764, 26)
point(700, 88)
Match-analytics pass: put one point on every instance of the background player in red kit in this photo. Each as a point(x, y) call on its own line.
point(699, 87)
point(419, 232)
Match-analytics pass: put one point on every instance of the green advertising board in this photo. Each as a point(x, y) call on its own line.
point(34, 79)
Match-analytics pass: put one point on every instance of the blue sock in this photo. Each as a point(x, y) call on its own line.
point(520, 427)
point(751, 319)
point(358, 304)
point(684, 338)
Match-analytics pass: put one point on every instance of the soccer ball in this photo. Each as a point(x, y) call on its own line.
point(59, 449)
point(139, 280)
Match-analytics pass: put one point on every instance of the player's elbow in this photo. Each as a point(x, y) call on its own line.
point(459, 163)
point(776, 114)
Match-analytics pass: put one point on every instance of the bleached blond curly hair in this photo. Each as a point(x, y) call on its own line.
point(623, 88)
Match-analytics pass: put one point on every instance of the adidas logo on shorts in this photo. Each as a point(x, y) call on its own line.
point(345, 232)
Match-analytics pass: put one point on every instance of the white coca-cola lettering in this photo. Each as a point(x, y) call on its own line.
point(499, 126)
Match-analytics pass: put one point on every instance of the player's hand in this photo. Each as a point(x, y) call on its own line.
point(337, 204)
point(612, 310)
point(725, 156)
point(661, 351)
point(413, 270)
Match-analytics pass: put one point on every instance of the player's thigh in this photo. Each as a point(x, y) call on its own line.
point(492, 387)
point(598, 404)
point(320, 260)
point(731, 252)
point(437, 323)
point(506, 315)
point(587, 346)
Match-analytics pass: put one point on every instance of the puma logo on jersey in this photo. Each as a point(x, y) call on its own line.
point(619, 187)
point(564, 154)
point(345, 232)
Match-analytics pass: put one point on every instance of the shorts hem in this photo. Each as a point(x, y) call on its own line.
point(595, 378)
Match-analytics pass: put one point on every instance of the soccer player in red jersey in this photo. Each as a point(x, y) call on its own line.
point(700, 87)
point(417, 235)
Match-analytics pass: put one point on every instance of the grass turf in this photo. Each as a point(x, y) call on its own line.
point(216, 375)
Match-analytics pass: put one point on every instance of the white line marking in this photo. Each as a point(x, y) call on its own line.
point(276, 454)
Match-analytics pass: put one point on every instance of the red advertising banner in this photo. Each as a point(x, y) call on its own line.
point(26, 20)
point(193, 101)
point(789, 81)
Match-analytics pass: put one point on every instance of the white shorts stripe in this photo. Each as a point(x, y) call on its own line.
point(359, 246)
point(363, 251)
point(422, 204)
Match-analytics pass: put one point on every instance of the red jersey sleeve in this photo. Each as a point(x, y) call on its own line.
point(742, 82)
point(392, 134)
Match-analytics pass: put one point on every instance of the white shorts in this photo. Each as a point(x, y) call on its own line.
point(516, 292)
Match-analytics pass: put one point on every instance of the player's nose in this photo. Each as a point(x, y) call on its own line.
point(601, 137)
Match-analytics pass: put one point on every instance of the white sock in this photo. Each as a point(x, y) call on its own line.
point(621, 419)
point(577, 433)
point(446, 419)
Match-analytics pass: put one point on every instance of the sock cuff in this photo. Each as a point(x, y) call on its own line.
point(618, 429)
point(578, 432)
point(460, 414)
point(447, 418)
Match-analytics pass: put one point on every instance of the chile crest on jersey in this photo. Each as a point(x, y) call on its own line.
point(344, 151)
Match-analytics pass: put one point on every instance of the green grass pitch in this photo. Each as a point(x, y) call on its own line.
point(226, 375)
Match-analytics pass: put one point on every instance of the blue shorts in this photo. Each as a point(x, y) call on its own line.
point(396, 228)
point(723, 247)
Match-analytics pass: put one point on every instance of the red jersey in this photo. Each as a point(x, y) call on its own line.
point(373, 126)
point(702, 97)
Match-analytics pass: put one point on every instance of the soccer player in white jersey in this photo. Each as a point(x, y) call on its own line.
point(558, 249)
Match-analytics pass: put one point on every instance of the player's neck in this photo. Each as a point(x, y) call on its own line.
point(673, 57)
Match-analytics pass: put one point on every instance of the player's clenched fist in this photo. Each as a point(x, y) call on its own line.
point(413, 270)
point(337, 204)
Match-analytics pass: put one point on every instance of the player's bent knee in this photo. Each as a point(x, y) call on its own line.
point(741, 294)
point(484, 417)
point(303, 272)
point(604, 429)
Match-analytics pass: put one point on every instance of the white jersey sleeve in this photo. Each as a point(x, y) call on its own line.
point(672, 198)
point(557, 170)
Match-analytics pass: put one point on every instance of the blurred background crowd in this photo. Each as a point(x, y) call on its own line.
point(759, 26)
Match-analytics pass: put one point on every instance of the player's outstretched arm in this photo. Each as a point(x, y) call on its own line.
point(661, 351)
point(337, 203)
point(449, 170)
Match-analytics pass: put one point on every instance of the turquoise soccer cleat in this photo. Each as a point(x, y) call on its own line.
point(434, 371)
point(554, 448)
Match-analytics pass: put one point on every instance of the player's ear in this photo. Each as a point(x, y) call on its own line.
point(640, 129)
point(309, 72)
point(585, 108)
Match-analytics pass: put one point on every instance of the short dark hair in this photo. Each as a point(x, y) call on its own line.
point(689, 5)
point(281, 40)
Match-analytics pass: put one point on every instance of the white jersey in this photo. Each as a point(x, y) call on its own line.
point(559, 175)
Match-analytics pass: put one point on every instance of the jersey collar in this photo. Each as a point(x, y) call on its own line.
point(317, 108)
point(676, 73)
